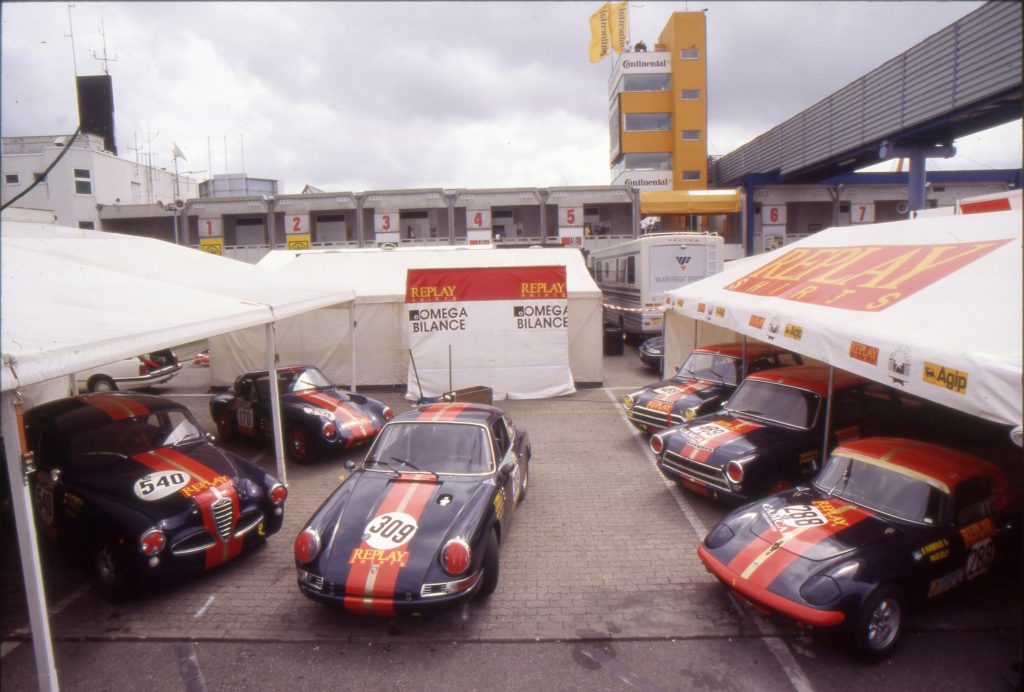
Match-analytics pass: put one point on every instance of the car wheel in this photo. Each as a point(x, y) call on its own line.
point(779, 486)
point(102, 383)
point(491, 567)
point(108, 571)
point(879, 624)
point(225, 425)
point(298, 444)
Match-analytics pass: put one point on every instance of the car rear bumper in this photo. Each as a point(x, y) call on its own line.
point(764, 599)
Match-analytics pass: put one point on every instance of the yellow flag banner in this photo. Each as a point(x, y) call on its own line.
point(600, 33)
point(619, 26)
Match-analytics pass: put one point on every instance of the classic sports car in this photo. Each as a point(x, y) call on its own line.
point(418, 525)
point(768, 436)
point(709, 375)
point(316, 415)
point(133, 480)
point(131, 373)
point(887, 524)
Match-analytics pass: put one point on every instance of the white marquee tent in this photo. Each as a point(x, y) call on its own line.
point(378, 276)
point(932, 306)
point(75, 299)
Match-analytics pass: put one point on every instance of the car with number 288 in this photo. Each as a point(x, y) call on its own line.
point(888, 524)
point(419, 524)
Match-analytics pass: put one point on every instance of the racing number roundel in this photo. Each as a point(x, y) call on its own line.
point(390, 531)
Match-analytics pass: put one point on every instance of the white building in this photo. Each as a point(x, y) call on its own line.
point(86, 177)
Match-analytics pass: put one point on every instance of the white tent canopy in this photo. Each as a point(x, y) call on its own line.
point(932, 306)
point(379, 277)
point(75, 299)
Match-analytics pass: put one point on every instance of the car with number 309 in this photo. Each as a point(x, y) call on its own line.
point(887, 524)
point(132, 481)
point(418, 525)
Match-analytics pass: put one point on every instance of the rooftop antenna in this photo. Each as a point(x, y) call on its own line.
point(104, 59)
point(71, 35)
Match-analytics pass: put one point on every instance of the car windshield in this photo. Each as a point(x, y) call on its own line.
point(431, 447)
point(881, 488)
point(712, 367)
point(132, 436)
point(301, 380)
point(775, 403)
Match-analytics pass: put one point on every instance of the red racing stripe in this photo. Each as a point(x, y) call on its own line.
point(221, 551)
point(349, 416)
point(117, 407)
point(376, 579)
point(442, 411)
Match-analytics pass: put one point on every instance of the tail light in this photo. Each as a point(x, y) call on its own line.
point(455, 557)
point(278, 494)
point(307, 546)
point(388, 413)
point(657, 444)
point(152, 542)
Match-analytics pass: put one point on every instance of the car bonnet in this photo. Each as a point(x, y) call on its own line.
point(351, 417)
point(798, 525)
point(388, 534)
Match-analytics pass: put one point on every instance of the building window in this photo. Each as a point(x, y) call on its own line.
point(689, 135)
point(689, 54)
point(645, 82)
point(11, 179)
point(647, 122)
point(83, 181)
point(87, 225)
point(690, 94)
point(689, 176)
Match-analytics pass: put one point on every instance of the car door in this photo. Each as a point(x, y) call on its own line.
point(242, 404)
point(509, 476)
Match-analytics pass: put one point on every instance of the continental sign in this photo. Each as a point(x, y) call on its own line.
point(869, 278)
point(485, 283)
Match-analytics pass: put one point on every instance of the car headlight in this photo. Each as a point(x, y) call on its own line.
point(151, 542)
point(307, 546)
point(627, 402)
point(719, 536)
point(735, 471)
point(657, 444)
point(690, 413)
point(820, 590)
point(455, 556)
point(278, 494)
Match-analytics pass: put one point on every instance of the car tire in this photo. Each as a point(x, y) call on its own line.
point(525, 482)
point(880, 623)
point(102, 383)
point(298, 444)
point(109, 571)
point(226, 425)
point(491, 565)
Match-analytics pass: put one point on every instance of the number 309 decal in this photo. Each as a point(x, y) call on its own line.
point(390, 531)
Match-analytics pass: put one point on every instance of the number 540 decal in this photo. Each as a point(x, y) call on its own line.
point(159, 485)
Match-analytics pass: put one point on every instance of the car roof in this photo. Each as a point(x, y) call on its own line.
point(811, 377)
point(287, 369)
point(75, 413)
point(445, 412)
point(943, 466)
point(755, 349)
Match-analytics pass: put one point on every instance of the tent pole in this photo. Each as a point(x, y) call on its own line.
point(828, 418)
point(275, 403)
point(31, 568)
point(352, 343)
point(743, 362)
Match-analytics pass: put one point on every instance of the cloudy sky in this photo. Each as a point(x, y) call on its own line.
point(363, 96)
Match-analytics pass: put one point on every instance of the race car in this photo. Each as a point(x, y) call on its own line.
point(132, 481)
point(769, 434)
point(888, 524)
point(419, 525)
point(707, 377)
point(317, 416)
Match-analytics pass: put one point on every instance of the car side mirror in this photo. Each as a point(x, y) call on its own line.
point(349, 465)
point(211, 438)
point(55, 475)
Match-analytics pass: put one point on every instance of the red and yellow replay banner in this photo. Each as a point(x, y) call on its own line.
point(501, 327)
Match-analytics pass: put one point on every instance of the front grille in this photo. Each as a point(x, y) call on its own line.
point(223, 512)
point(693, 469)
point(314, 580)
point(193, 544)
point(658, 419)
